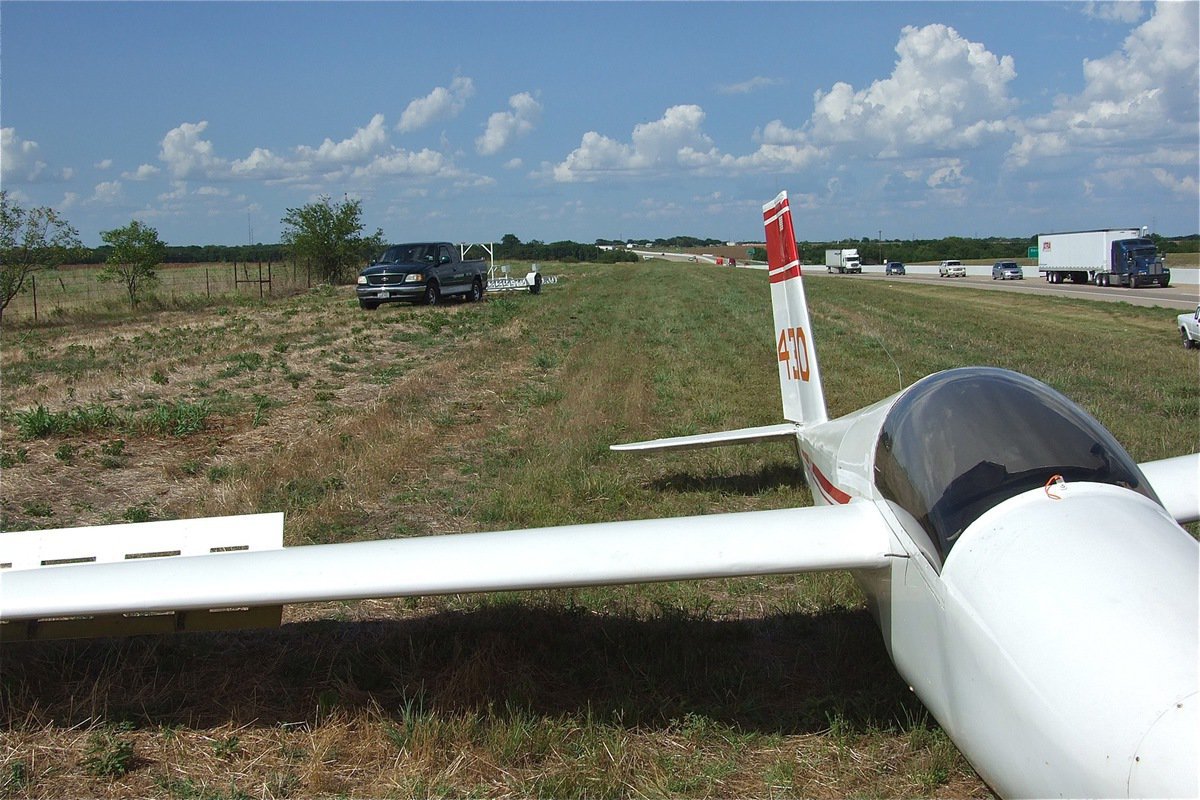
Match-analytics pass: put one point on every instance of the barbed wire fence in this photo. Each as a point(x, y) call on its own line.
point(51, 293)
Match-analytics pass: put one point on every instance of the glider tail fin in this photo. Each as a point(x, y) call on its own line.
point(799, 375)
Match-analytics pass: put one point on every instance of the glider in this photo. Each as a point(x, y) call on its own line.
point(1031, 580)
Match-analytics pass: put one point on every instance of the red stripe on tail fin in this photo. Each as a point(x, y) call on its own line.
point(783, 260)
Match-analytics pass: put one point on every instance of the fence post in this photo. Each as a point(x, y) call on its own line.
point(270, 286)
point(207, 286)
point(260, 291)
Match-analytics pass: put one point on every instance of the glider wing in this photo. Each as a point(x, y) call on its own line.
point(713, 546)
point(1176, 481)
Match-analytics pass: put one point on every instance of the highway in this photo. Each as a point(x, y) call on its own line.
point(1184, 297)
point(1183, 293)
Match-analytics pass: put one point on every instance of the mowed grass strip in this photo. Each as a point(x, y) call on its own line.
point(496, 416)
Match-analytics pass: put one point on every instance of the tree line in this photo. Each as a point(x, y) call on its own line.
point(328, 238)
point(510, 247)
point(662, 244)
point(200, 253)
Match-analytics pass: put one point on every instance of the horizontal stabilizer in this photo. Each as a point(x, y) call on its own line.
point(1176, 481)
point(854, 536)
point(766, 433)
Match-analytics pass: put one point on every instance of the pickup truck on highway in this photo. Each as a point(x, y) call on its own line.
point(421, 272)
point(952, 268)
point(1189, 328)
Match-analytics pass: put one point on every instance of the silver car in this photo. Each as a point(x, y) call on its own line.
point(1003, 270)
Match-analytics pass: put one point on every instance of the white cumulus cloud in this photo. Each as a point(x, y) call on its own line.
point(403, 162)
point(364, 154)
point(1120, 11)
point(19, 160)
point(675, 142)
point(1149, 87)
point(261, 163)
point(503, 127)
point(671, 141)
point(106, 193)
point(944, 93)
point(441, 103)
point(144, 172)
point(357, 148)
point(186, 154)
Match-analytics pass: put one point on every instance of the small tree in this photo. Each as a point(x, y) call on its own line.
point(328, 236)
point(136, 254)
point(31, 240)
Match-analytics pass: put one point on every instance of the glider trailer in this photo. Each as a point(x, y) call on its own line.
point(1031, 580)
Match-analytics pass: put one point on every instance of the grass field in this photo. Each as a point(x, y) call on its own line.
point(413, 421)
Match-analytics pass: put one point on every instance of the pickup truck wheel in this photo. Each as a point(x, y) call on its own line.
point(432, 295)
point(1188, 344)
point(476, 292)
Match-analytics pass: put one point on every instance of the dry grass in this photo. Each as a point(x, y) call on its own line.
point(412, 421)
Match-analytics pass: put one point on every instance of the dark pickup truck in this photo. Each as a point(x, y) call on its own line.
point(422, 272)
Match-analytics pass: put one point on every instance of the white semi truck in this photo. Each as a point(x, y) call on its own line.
point(843, 260)
point(1113, 256)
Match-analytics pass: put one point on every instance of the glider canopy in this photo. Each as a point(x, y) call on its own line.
point(961, 442)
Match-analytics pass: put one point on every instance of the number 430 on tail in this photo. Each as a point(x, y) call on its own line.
point(793, 351)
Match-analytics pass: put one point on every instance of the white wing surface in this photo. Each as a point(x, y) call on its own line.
point(1176, 481)
point(765, 433)
point(720, 545)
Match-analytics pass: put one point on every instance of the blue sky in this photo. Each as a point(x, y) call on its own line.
point(467, 121)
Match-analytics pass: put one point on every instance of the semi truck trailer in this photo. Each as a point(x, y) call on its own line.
point(1109, 257)
point(843, 260)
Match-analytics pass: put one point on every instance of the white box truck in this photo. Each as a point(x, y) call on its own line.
point(1113, 256)
point(843, 260)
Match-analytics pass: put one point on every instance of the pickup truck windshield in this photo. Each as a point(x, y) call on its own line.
point(408, 254)
point(961, 442)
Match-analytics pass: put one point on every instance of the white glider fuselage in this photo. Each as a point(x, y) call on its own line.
point(1048, 643)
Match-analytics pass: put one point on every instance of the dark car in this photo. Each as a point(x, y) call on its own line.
point(893, 268)
point(1003, 270)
